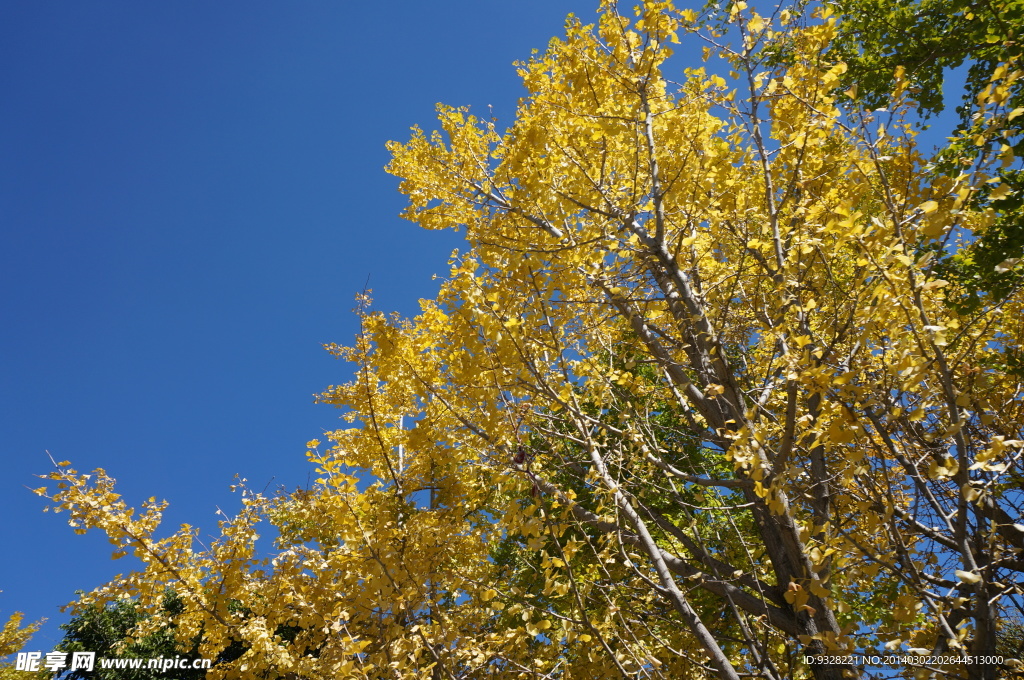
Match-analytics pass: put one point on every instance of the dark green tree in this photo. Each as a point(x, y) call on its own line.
point(107, 631)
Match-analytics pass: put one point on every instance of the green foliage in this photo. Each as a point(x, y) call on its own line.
point(108, 631)
point(989, 261)
point(926, 38)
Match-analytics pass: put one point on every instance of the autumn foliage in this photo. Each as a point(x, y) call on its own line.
point(692, 402)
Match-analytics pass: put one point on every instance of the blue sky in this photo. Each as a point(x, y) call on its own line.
point(191, 193)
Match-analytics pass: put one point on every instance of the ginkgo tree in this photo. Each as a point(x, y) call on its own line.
point(693, 401)
point(13, 637)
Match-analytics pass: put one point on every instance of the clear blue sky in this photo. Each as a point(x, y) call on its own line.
point(190, 195)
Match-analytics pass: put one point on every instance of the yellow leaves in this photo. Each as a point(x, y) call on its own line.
point(937, 334)
point(840, 433)
point(559, 588)
point(970, 492)
point(818, 589)
point(802, 341)
point(934, 284)
point(1000, 192)
point(968, 577)
point(906, 608)
point(797, 596)
point(900, 82)
point(427, 164)
point(941, 469)
point(776, 506)
point(998, 446)
point(13, 636)
point(538, 627)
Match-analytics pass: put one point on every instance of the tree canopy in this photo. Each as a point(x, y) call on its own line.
point(926, 39)
point(697, 399)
